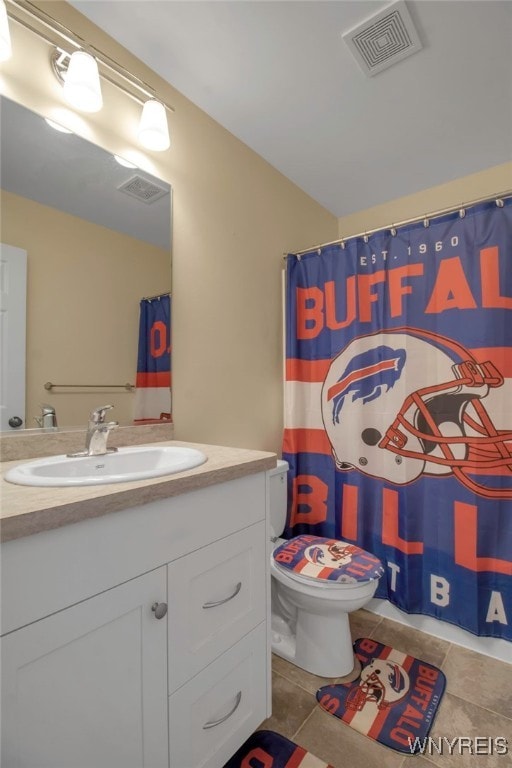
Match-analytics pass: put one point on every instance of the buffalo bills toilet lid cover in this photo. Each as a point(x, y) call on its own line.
point(328, 560)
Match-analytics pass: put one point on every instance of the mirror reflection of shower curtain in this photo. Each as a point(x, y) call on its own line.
point(153, 380)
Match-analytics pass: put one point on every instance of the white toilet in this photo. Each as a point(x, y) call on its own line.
point(316, 583)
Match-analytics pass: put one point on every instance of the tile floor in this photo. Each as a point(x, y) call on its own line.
point(477, 702)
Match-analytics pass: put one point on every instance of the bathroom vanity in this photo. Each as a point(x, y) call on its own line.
point(135, 618)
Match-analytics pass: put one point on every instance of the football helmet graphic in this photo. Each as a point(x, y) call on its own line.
point(402, 403)
point(330, 555)
point(383, 682)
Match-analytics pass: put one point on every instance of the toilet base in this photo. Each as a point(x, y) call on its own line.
point(312, 648)
point(284, 646)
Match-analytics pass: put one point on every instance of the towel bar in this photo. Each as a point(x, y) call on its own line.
point(129, 387)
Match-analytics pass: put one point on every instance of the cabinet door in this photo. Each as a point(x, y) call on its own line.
point(87, 687)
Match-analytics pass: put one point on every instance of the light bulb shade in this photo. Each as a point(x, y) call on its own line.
point(5, 35)
point(82, 83)
point(124, 162)
point(57, 126)
point(153, 130)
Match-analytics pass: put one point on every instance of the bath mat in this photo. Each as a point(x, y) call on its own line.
point(266, 749)
point(394, 700)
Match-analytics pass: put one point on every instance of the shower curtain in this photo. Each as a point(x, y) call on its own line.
point(153, 380)
point(398, 409)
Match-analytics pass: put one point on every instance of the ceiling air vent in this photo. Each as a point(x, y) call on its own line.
point(144, 190)
point(384, 39)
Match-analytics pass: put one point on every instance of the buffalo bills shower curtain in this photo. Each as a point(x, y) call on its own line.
point(153, 380)
point(398, 409)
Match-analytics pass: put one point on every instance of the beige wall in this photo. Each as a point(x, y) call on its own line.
point(457, 192)
point(84, 284)
point(233, 216)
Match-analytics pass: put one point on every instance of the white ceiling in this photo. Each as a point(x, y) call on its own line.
point(279, 76)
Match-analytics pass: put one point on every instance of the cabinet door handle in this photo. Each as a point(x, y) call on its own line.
point(226, 599)
point(159, 609)
point(213, 723)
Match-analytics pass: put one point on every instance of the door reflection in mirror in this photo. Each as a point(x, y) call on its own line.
point(13, 288)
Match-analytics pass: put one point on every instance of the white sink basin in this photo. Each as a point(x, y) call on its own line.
point(134, 463)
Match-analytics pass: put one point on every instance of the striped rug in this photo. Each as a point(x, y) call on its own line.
point(394, 700)
point(267, 749)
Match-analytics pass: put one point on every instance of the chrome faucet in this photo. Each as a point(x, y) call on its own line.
point(98, 431)
point(48, 418)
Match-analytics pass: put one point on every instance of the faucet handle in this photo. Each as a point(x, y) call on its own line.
point(98, 415)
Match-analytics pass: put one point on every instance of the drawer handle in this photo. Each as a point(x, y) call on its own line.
point(226, 599)
point(213, 723)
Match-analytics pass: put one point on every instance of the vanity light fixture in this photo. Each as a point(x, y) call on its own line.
point(153, 131)
point(125, 163)
point(5, 35)
point(79, 66)
point(82, 87)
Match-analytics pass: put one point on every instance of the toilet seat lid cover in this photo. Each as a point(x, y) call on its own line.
point(327, 560)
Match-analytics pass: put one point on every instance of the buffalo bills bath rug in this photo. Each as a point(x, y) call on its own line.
point(267, 749)
point(394, 700)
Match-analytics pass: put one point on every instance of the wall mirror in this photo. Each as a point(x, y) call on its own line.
point(94, 250)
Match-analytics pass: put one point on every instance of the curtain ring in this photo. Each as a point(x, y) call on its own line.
point(365, 237)
point(393, 231)
point(319, 251)
point(299, 257)
point(500, 203)
point(462, 213)
point(426, 222)
point(342, 244)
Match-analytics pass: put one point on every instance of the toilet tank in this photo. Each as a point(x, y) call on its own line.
point(278, 498)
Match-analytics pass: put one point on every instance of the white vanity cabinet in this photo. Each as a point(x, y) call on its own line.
point(94, 676)
point(86, 686)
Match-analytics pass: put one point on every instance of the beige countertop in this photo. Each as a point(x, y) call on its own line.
point(27, 509)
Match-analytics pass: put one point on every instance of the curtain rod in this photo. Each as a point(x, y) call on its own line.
point(425, 218)
point(157, 296)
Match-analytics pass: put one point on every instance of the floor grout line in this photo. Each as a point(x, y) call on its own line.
point(317, 706)
point(479, 706)
point(294, 682)
point(450, 648)
point(381, 619)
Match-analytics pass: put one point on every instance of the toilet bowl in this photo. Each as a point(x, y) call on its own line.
point(316, 582)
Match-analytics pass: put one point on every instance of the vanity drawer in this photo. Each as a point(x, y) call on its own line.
point(216, 595)
point(211, 716)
